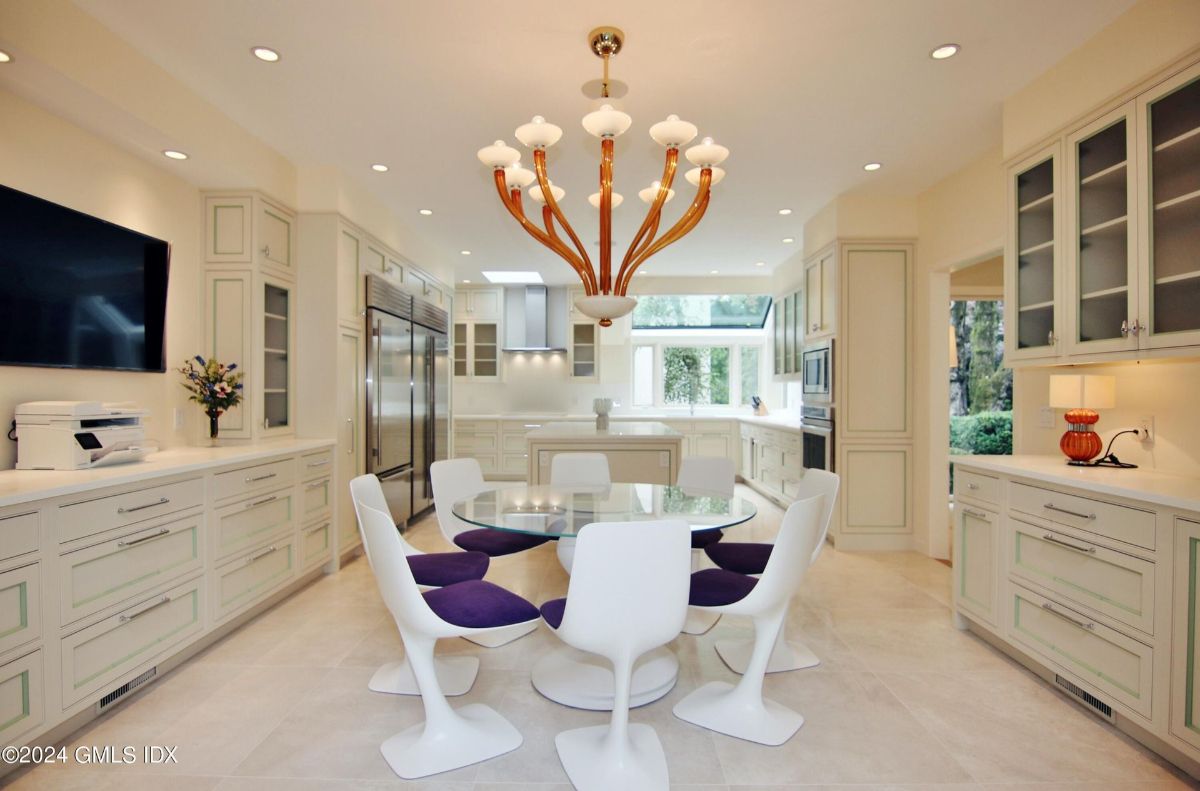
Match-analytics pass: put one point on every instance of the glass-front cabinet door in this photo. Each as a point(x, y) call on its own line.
point(1101, 251)
point(1032, 272)
point(460, 349)
point(1170, 144)
point(485, 350)
point(276, 350)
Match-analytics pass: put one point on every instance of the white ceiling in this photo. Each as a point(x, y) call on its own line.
point(803, 92)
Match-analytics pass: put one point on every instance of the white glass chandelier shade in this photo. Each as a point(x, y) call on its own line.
point(606, 122)
point(693, 176)
point(498, 155)
point(673, 132)
point(594, 199)
point(535, 192)
point(539, 133)
point(650, 193)
point(518, 177)
point(605, 307)
point(706, 154)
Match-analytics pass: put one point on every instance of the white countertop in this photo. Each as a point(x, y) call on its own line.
point(635, 430)
point(782, 420)
point(1160, 488)
point(20, 486)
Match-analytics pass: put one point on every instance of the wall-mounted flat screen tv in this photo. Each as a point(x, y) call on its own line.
point(78, 292)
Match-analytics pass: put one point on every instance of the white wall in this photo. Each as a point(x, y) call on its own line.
point(46, 156)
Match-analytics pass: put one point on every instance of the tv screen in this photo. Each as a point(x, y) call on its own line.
point(76, 291)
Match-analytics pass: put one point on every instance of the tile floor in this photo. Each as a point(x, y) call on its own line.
point(901, 700)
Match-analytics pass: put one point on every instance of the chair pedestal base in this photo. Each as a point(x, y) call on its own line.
point(700, 620)
point(594, 764)
point(455, 674)
point(719, 707)
point(503, 636)
point(469, 735)
point(585, 681)
point(786, 655)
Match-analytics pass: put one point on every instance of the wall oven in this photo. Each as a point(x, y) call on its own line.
point(817, 437)
point(817, 370)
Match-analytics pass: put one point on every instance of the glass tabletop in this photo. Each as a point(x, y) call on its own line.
point(564, 510)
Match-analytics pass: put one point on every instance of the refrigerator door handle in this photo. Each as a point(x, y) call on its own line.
point(378, 405)
point(431, 415)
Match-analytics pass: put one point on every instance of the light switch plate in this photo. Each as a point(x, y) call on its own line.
point(177, 418)
point(1046, 417)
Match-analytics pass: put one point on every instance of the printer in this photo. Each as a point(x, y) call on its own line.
point(79, 435)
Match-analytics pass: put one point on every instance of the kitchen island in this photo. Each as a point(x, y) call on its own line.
point(637, 451)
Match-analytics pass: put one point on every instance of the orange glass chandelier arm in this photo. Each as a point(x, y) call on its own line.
point(514, 208)
point(561, 248)
point(685, 224)
point(606, 177)
point(645, 234)
point(539, 167)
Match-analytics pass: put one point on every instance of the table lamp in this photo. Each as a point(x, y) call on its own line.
point(1081, 396)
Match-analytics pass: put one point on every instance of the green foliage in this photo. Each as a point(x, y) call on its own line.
point(696, 375)
point(728, 311)
point(749, 364)
point(983, 433)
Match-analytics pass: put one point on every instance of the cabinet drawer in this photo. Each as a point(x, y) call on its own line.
point(316, 497)
point(235, 482)
point(1102, 657)
point(514, 443)
point(521, 427)
point(1131, 525)
point(99, 576)
point(316, 464)
point(20, 607)
point(1108, 582)
point(474, 426)
point(252, 577)
point(94, 657)
point(22, 697)
point(78, 520)
point(476, 443)
point(980, 487)
point(244, 524)
point(18, 535)
point(487, 463)
point(316, 543)
point(514, 464)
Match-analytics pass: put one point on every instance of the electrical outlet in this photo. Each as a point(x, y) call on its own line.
point(1146, 426)
point(177, 418)
point(1046, 417)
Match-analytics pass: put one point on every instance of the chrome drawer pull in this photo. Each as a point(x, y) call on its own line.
point(144, 539)
point(263, 501)
point(268, 476)
point(140, 613)
point(261, 555)
point(321, 463)
point(1053, 507)
point(533, 425)
point(160, 501)
point(974, 513)
point(315, 528)
point(317, 484)
point(1081, 624)
point(1051, 537)
point(972, 486)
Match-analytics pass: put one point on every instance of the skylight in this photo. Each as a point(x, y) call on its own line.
point(513, 277)
point(701, 311)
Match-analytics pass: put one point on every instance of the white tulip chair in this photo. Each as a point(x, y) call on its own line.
point(577, 470)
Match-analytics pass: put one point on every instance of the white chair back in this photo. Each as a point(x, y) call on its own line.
point(392, 574)
point(714, 474)
point(817, 482)
point(579, 469)
point(629, 587)
point(365, 490)
point(454, 480)
point(791, 556)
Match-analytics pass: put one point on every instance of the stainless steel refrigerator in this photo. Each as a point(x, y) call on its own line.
point(407, 387)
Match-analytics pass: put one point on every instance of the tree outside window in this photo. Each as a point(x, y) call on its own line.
point(749, 361)
point(696, 375)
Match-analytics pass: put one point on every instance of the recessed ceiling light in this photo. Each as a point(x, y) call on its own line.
point(5, 57)
point(465, 252)
point(760, 263)
point(714, 272)
point(944, 51)
point(788, 240)
point(379, 168)
point(872, 166)
point(466, 280)
point(265, 53)
point(785, 212)
point(513, 277)
point(425, 212)
point(171, 154)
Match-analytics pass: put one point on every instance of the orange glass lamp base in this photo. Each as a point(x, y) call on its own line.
point(1080, 444)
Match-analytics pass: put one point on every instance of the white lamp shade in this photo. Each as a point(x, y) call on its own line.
point(606, 122)
point(518, 177)
point(650, 193)
point(538, 133)
point(594, 199)
point(498, 155)
point(693, 176)
point(535, 193)
point(706, 153)
point(1076, 391)
point(673, 132)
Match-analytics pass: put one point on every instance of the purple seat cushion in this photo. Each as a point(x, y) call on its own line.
point(705, 538)
point(552, 612)
point(479, 605)
point(494, 543)
point(714, 587)
point(440, 569)
point(744, 558)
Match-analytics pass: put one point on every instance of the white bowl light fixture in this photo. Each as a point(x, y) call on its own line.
point(605, 291)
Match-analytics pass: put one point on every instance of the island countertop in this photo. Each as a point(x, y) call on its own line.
point(616, 430)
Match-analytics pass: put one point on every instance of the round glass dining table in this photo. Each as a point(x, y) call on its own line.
point(567, 675)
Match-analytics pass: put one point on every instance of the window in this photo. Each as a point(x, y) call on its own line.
point(749, 373)
point(701, 311)
point(696, 375)
point(643, 376)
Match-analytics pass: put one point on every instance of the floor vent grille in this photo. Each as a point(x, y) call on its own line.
point(125, 689)
point(1086, 698)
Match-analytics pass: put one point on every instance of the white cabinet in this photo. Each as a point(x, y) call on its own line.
point(788, 335)
point(350, 290)
point(249, 229)
point(349, 427)
point(22, 697)
point(476, 349)
point(821, 294)
point(976, 561)
point(20, 606)
point(876, 481)
point(1033, 275)
point(1185, 659)
point(480, 440)
point(479, 304)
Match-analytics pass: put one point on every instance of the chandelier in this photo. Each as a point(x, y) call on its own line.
point(605, 295)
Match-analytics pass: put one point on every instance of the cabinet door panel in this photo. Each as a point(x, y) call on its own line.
point(976, 565)
point(349, 292)
point(229, 303)
point(1032, 272)
point(349, 450)
point(1185, 647)
point(275, 237)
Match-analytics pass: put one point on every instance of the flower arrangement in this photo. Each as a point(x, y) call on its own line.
point(214, 386)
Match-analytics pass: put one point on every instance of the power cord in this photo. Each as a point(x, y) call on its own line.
point(12, 432)
point(1109, 459)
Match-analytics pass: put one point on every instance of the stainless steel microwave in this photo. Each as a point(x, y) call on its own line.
point(817, 369)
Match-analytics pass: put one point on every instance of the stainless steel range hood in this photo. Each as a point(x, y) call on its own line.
point(535, 338)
